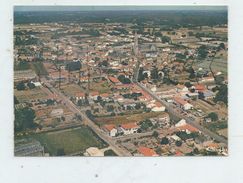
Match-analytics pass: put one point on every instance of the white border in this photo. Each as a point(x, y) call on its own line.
point(162, 169)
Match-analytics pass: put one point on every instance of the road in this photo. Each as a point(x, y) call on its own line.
point(119, 151)
point(178, 115)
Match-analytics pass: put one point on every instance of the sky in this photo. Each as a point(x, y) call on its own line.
point(110, 8)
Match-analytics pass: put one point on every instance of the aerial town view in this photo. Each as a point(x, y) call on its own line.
point(120, 81)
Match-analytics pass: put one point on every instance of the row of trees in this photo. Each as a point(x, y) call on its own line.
point(21, 85)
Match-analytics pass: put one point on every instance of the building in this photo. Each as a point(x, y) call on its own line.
point(181, 88)
point(144, 151)
point(93, 151)
point(114, 80)
point(129, 128)
point(182, 103)
point(80, 96)
point(27, 147)
point(158, 107)
point(110, 129)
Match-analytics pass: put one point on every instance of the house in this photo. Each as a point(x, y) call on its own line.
point(129, 128)
point(145, 151)
point(105, 96)
point(80, 96)
point(37, 84)
point(110, 129)
point(188, 128)
point(182, 122)
point(182, 103)
point(114, 80)
point(93, 95)
point(199, 88)
point(192, 95)
point(181, 88)
point(207, 94)
point(182, 125)
point(158, 107)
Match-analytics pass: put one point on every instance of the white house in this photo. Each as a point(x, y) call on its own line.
point(182, 103)
point(80, 96)
point(110, 129)
point(182, 122)
point(181, 88)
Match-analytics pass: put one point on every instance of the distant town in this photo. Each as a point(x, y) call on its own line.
point(121, 83)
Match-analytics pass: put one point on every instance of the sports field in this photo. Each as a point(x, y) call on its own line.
point(71, 141)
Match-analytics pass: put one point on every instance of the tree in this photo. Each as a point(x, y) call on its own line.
point(123, 79)
point(164, 141)
point(154, 73)
point(20, 86)
point(50, 102)
point(140, 74)
point(24, 119)
point(202, 52)
point(221, 46)
point(31, 85)
point(110, 152)
point(155, 134)
point(165, 39)
point(222, 94)
point(178, 143)
point(16, 100)
point(188, 84)
point(213, 116)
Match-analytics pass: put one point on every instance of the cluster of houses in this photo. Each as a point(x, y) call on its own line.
point(123, 129)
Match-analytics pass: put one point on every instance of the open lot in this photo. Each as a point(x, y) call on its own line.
point(132, 118)
point(27, 95)
point(102, 87)
point(71, 141)
point(71, 89)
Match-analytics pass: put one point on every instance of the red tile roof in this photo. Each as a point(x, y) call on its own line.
point(147, 151)
point(189, 128)
point(113, 79)
point(80, 94)
point(200, 87)
point(129, 126)
point(180, 100)
point(94, 93)
point(109, 127)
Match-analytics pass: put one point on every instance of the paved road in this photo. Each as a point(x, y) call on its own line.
point(178, 115)
point(119, 151)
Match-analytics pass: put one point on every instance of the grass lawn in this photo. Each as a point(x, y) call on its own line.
point(131, 118)
point(72, 141)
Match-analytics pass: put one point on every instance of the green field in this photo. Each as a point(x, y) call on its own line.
point(71, 141)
